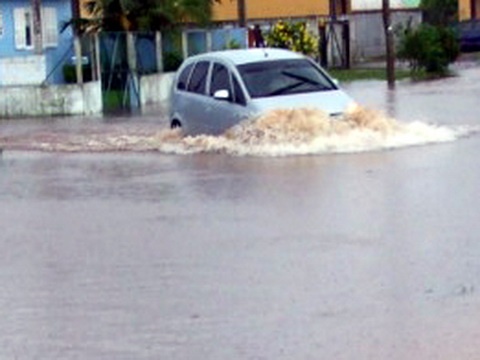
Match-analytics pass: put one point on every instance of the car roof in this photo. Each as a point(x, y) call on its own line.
point(246, 56)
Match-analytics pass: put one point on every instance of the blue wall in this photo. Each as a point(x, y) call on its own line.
point(55, 56)
point(221, 39)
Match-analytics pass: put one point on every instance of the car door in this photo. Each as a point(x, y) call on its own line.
point(230, 108)
point(194, 99)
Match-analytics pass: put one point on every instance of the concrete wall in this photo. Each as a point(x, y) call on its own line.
point(73, 99)
point(369, 5)
point(16, 101)
point(155, 88)
point(367, 36)
point(23, 70)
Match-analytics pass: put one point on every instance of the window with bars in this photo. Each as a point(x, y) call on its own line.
point(23, 21)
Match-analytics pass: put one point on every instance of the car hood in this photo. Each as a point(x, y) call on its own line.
point(332, 102)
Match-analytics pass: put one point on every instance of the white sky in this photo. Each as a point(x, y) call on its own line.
point(377, 4)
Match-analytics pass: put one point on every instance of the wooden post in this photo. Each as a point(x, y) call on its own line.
point(131, 52)
point(133, 84)
point(159, 51)
point(390, 46)
point(185, 44)
point(37, 26)
point(242, 13)
point(98, 61)
point(78, 59)
point(209, 40)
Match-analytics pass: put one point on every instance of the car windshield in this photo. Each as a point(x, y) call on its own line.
point(283, 77)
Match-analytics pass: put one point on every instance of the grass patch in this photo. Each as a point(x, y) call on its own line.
point(348, 75)
point(113, 100)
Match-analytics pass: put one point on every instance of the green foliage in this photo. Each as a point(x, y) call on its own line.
point(145, 15)
point(70, 73)
point(429, 48)
point(293, 36)
point(439, 12)
point(172, 61)
point(232, 44)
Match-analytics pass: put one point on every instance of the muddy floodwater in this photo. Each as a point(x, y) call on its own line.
point(122, 240)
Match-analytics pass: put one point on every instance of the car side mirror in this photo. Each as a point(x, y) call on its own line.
point(223, 94)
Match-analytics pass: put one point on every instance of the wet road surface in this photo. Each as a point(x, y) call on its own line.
point(148, 255)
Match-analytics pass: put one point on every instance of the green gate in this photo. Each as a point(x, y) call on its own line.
point(120, 87)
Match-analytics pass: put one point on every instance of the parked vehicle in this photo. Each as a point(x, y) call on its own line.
point(469, 35)
point(217, 90)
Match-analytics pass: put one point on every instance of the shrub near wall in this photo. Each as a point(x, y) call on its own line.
point(293, 36)
point(70, 73)
point(429, 48)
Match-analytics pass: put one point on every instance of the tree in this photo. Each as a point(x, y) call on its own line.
point(439, 12)
point(242, 13)
point(389, 42)
point(146, 15)
point(429, 48)
point(433, 45)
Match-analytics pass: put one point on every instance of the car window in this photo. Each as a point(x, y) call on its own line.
point(283, 77)
point(198, 80)
point(239, 96)
point(183, 77)
point(220, 79)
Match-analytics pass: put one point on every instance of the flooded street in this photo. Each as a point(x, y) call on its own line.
point(121, 240)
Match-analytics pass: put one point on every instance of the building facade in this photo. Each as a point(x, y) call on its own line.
point(468, 9)
point(354, 28)
point(20, 64)
point(226, 11)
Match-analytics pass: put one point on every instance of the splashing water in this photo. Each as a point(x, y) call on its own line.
point(277, 133)
point(310, 131)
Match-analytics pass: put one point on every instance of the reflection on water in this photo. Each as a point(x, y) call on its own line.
point(277, 133)
point(142, 256)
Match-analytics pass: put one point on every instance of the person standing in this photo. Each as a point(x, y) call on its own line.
point(258, 37)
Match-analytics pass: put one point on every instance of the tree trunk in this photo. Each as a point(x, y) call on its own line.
point(390, 46)
point(242, 13)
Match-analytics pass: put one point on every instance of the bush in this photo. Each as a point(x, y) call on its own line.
point(429, 48)
point(439, 12)
point(232, 44)
point(172, 61)
point(70, 73)
point(293, 36)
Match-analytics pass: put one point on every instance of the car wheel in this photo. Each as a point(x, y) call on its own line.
point(175, 124)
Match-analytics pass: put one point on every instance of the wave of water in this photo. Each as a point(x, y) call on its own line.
point(277, 133)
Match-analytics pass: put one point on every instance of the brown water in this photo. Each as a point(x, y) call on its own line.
point(123, 240)
point(277, 133)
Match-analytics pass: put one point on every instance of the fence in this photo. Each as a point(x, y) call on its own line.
point(120, 59)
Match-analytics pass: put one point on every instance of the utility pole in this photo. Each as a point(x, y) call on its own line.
point(390, 46)
point(37, 26)
point(242, 13)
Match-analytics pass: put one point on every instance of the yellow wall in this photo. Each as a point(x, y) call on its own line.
point(261, 9)
point(465, 9)
point(264, 9)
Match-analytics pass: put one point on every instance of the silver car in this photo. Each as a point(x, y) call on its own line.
point(214, 91)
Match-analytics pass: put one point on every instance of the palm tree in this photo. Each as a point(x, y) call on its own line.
point(147, 15)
